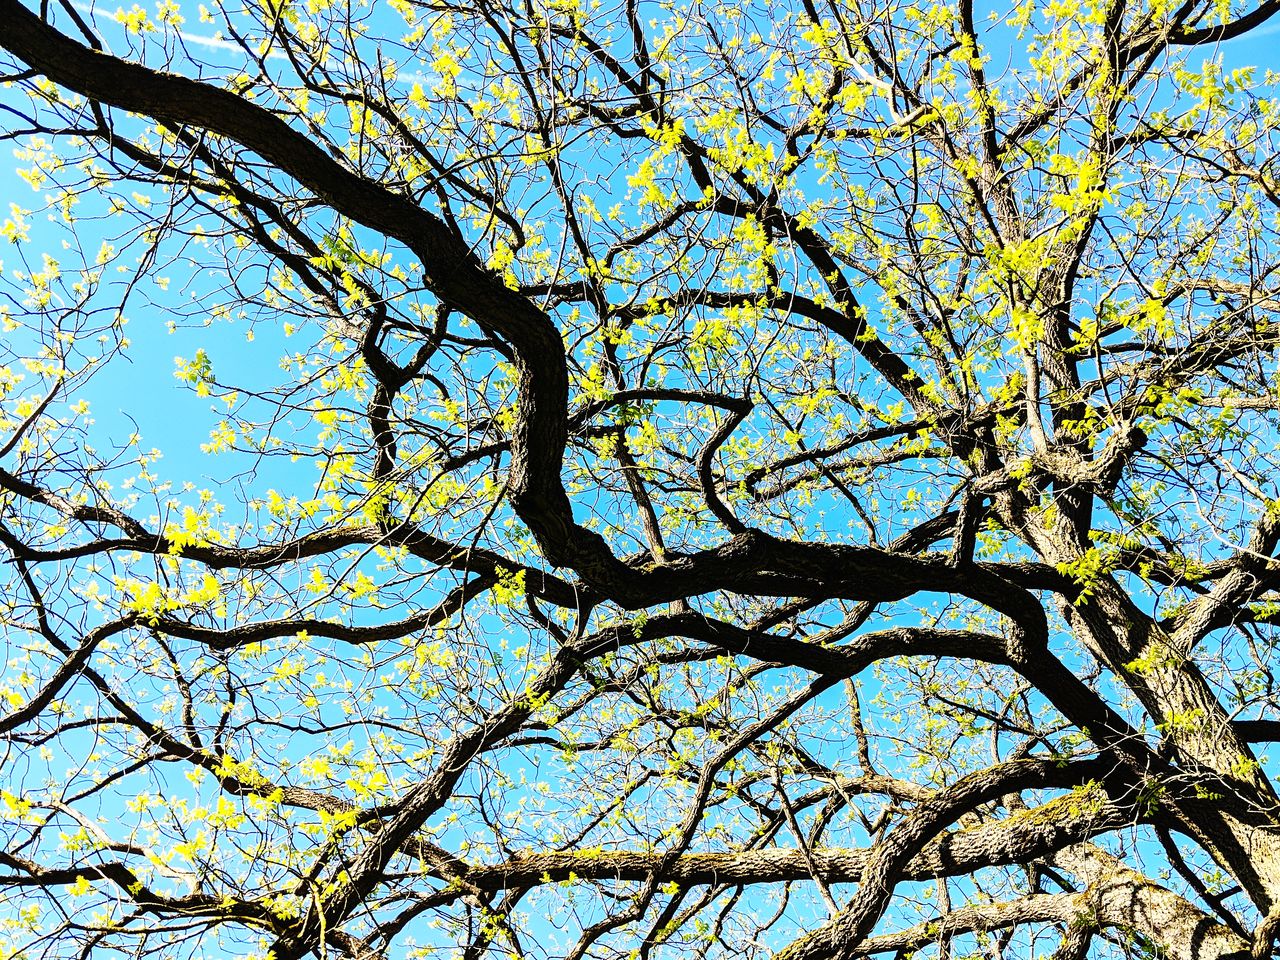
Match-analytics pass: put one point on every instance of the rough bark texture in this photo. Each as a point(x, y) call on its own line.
point(1072, 630)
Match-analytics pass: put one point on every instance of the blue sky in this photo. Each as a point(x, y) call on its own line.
point(141, 394)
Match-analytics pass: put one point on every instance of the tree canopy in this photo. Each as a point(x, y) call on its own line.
point(642, 479)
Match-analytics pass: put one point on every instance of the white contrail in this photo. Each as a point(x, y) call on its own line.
point(200, 39)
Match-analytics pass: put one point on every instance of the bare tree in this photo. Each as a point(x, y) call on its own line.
point(689, 479)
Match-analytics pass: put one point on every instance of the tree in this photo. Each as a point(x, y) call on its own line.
point(739, 481)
